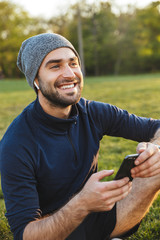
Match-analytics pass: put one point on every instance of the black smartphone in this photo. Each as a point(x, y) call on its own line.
point(126, 166)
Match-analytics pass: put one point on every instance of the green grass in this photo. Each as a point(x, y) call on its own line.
point(5, 233)
point(139, 94)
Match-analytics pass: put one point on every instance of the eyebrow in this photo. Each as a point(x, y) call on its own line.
point(59, 60)
point(53, 61)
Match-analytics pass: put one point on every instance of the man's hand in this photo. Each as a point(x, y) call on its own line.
point(101, 196)
point(148, 162)
point(95, 196)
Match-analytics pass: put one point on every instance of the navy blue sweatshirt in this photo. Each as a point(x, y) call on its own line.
point(46, 160)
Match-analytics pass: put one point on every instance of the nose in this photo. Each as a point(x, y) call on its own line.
point(68, 72)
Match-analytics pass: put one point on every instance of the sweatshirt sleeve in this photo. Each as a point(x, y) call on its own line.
point(113, 121)
point(18, 185)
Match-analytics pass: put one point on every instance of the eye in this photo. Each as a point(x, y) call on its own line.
point(54, 67)
point(74, 64)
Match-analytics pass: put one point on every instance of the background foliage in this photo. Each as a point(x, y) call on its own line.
point(113, 43)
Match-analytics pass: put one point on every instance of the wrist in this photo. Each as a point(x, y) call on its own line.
point(80, 204)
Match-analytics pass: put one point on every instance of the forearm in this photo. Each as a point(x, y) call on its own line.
point(58, 225)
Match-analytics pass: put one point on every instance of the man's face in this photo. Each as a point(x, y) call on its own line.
point(60, 78)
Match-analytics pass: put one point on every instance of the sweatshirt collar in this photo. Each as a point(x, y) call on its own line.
point(57, 124)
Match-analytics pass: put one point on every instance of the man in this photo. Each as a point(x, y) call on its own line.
point(49, 155)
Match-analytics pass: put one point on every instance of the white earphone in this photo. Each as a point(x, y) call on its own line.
point(36, 85)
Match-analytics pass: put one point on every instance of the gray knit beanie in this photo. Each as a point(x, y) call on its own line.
point(34, 50)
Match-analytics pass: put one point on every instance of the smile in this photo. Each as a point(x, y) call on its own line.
point(67, 86)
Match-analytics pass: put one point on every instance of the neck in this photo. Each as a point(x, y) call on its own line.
point(54, 111)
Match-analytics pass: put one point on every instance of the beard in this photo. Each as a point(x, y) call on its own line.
point(55, 98)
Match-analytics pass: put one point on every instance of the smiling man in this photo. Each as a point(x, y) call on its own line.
point(49, 155)
point(60, 82)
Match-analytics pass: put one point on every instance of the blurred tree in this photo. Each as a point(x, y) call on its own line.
point(113, 43)
point(148, 37)
point(138, 40)
point(104, 23)
point(98, 27)
point(80, 38)
point(15, 26)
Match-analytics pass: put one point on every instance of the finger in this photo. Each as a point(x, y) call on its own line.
point(112, 198)
point(102, 174)
point(146, 175)
point(115, 184)
point(109, 199)
point(156, 172)
point(148, 164)
point(150, 150)
point(118, 191)
point(148, 172)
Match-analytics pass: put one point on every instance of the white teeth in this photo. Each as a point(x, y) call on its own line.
point(67, 86)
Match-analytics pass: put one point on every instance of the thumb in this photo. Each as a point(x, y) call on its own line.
point(104, 173)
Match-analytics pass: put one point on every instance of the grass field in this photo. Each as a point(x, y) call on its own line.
point(138, 94)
